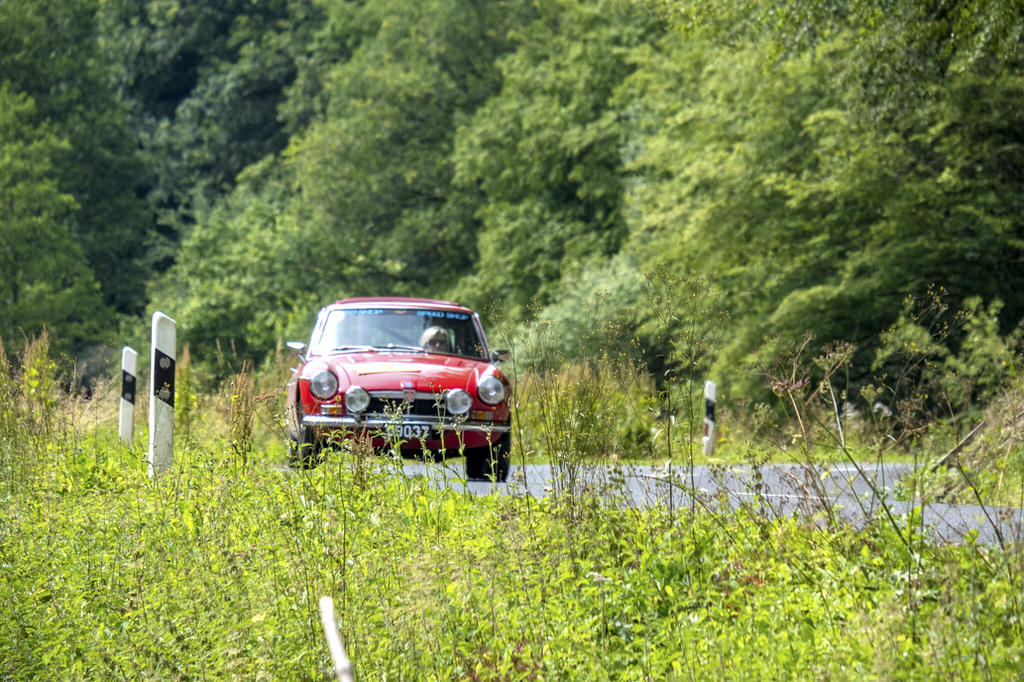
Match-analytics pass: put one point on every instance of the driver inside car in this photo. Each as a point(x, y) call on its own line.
point(435, 340)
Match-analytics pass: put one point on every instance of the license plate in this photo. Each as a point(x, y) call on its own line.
point(409, 431)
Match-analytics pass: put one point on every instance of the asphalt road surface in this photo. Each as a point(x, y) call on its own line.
point(853, 493)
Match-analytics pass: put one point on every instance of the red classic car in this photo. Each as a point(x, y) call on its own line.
point(411, 372)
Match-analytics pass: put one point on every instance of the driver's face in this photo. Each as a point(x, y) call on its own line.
point(437, 344)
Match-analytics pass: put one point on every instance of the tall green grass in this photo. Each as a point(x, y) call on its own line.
point(214, 570)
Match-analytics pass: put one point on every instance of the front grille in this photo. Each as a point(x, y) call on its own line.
point(422, 407)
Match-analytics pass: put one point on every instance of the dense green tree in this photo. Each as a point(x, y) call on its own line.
point(242, 280)
point(205, 82)
point(51, 52)
point(45, 280)
point(544, 156)
point(766, 173)
point(376, 171)
point(901, 51)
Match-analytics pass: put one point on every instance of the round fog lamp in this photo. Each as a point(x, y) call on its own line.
point(324, 385)
point(356, 399)
point(458, 401)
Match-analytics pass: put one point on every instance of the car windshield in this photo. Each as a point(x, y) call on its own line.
point(435, 331)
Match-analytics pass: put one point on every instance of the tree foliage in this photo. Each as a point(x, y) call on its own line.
point(805, 166)
point(51, 52)
point(544, 155)
point(376, 172)
point(46, 280)
point(766, 172)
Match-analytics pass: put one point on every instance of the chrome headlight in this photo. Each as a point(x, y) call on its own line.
point(491, 390)
point(324, 385)
point(356, 399)
point(458, 401)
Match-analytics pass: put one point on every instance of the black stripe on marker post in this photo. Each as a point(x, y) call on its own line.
point(128, 387)
point(163, 377)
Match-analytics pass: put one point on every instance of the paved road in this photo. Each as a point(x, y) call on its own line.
point(777, 489)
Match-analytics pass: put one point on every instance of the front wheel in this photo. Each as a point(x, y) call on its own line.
point(305, 449)
point(490, 462)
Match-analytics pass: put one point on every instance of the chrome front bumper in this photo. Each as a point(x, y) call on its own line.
point(317, 421)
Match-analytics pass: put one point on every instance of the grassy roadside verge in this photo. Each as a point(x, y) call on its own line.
point(215, 571)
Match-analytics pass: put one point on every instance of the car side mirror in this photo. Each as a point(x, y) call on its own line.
point(500, 356)
point(298, 347)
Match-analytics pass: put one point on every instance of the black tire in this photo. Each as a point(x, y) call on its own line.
point(489, 463)
point(305, 450)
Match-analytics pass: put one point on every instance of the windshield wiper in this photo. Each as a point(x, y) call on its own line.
point(398, 346)
point(351, 349)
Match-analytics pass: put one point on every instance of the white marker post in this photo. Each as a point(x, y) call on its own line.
point(161, 401)
point(342, 666)
point(709, 417)
point(129, 369)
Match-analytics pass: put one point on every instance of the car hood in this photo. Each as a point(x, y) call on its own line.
point(430, 373)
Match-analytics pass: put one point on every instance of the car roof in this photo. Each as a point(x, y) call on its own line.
point(398, 302)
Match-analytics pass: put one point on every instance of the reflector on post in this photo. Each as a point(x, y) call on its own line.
point(161, 401)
